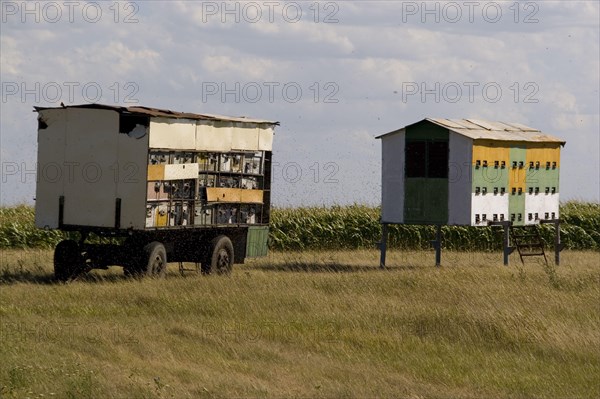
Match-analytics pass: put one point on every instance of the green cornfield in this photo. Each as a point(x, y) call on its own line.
point(357, 226)
point(344, 227)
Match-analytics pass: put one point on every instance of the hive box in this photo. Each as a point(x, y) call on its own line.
point(139, 168)
point(469, 172)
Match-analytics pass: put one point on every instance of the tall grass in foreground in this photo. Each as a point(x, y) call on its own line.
point(312, 324)
point(344, 227)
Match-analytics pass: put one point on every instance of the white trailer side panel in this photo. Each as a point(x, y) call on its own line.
point(459, 179)
point(181, 171)
point(245, 137)
point(176, 134)
point(131, 179)
point(50, 168)
point(213, 136)
point(392, 188)
point(265, 139)
point(91, 149)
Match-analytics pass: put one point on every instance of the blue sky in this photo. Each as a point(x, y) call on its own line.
point(335, 74)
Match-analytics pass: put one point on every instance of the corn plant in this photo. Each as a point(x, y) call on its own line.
point(342, 227)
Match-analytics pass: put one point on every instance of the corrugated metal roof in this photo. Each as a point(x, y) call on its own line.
point(165, 113)
point(478, 129)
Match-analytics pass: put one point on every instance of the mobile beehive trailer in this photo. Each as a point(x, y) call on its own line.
point(174, 186)
point(470, 172)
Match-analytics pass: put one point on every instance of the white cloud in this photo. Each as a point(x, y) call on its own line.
point(323, 34)
point(266, 27)
point(12, 58)
point(117, 57)
point(245, 68)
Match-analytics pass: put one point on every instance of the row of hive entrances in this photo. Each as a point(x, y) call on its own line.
point(515, 164)
point(179, 213)
point(206, 188)
point(514, 190)
point(514, 217)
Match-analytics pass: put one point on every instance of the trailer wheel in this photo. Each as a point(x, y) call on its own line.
point(68, 261)
point(156, 257)
point(220, 259)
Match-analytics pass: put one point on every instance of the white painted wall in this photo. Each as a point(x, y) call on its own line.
point(489, 204)
point(132, 176)
point(181, 171)
point(392, 173)
point(96, 164)
point(459, 179)
point(245, 137)
point(265, 139)
point(540, 204)
point(213, 136)
point(177, 134)
point(91, 145)
point(51, 158)
point(232, 136)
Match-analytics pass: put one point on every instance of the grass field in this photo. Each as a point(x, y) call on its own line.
point(311, 324)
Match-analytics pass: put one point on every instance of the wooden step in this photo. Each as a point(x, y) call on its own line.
point(531, 245)
point(528, 241)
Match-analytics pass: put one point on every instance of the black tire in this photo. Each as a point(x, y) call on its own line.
point(155, 259)
point(149, 261)
point(220, 257)
point(68, 262)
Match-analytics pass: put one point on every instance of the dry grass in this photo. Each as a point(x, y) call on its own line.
point(311, 324)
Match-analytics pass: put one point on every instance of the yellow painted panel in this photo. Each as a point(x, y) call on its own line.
point(491, 151)
point(223, 194)
point(234, 195)
point(252, 196)
point(156, 172)
point(543, 154)
point(162, 216)
point(516, 178)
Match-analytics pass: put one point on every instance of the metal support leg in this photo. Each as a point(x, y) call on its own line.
point(383, 245)
point(506, 248)
point(558, 246)
point(506, 244)
point(438, 245)
point(557, 243)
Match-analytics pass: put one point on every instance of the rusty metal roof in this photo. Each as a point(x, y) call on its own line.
point(165, 113)
point(478, 129)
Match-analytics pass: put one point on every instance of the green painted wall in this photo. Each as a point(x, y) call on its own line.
point(426, 201)
point(426, 131)
point(542, 178)
point(516, 202)
point(518, 153)
point(516, 206)
point(490, 177)
point(256, 242)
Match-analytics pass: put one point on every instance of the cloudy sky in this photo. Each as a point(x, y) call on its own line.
point(335, 74)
